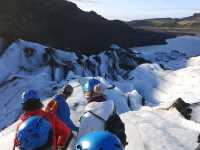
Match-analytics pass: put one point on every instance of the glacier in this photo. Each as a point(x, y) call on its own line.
point(143, 91)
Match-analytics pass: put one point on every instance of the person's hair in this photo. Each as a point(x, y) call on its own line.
point(31, 105)
point(68, 95)
point(68, 90)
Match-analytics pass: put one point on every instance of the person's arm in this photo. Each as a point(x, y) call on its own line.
point(63, 112)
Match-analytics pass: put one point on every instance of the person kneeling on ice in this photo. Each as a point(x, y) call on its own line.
point(99, 140)
point(97, 110)
point(32, 106)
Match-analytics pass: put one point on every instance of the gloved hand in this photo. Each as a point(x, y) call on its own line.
point(66, 91)
point(77, 129)
point(61, 148)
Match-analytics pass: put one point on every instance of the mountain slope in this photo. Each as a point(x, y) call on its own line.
point(191, 23)
point(61, 24)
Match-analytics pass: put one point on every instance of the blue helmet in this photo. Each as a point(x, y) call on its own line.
point(89, 86)
point(28, 95)
point(99, 140)
point(34, 133)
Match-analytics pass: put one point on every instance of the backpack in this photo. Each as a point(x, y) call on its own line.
point(35, 133)
point(115, 125)
point(51, 110)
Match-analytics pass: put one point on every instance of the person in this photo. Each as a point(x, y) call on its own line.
point(32, 106)
point(63, 110)
point(98, 108)
point(99, 140)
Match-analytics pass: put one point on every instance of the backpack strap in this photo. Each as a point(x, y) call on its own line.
point(97, 116)
point(51, 110)
point(114, 109)
point(14, 145)
point(82, 117)
point(16, 141)
point(54, 131)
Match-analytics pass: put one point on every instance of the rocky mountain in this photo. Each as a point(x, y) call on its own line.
point(61, 24)
point(187, 22)
point(191, 23)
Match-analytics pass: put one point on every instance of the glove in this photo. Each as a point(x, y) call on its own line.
point(61, 148)
point(77, 129)
point(66, 91)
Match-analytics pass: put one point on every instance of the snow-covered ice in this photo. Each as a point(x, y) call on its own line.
point(141, 99)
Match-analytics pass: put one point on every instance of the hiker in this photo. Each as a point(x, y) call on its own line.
point(32, 106)
point(63, 110)
point(100, 113)
point(99, 140)
point(97, 110)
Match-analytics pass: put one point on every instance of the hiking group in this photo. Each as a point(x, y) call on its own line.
point(51, 128)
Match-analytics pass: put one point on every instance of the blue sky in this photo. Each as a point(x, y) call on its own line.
point(140, 9)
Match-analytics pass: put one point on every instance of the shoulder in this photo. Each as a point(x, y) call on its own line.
point(59, 98)
point(101, 109)
point(23, 117)
point(27, 115)
point(108, 104)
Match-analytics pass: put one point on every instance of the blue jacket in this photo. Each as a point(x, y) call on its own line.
point(64, 112)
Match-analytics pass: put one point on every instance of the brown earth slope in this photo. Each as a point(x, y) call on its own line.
point(61, 24)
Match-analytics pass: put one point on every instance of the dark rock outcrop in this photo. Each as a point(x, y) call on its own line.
point(61, 24)
point(113, 64)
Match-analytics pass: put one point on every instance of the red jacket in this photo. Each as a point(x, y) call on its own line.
point(62, 131)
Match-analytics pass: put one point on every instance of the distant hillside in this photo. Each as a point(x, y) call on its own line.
point(61, 24)
point(186, 24)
